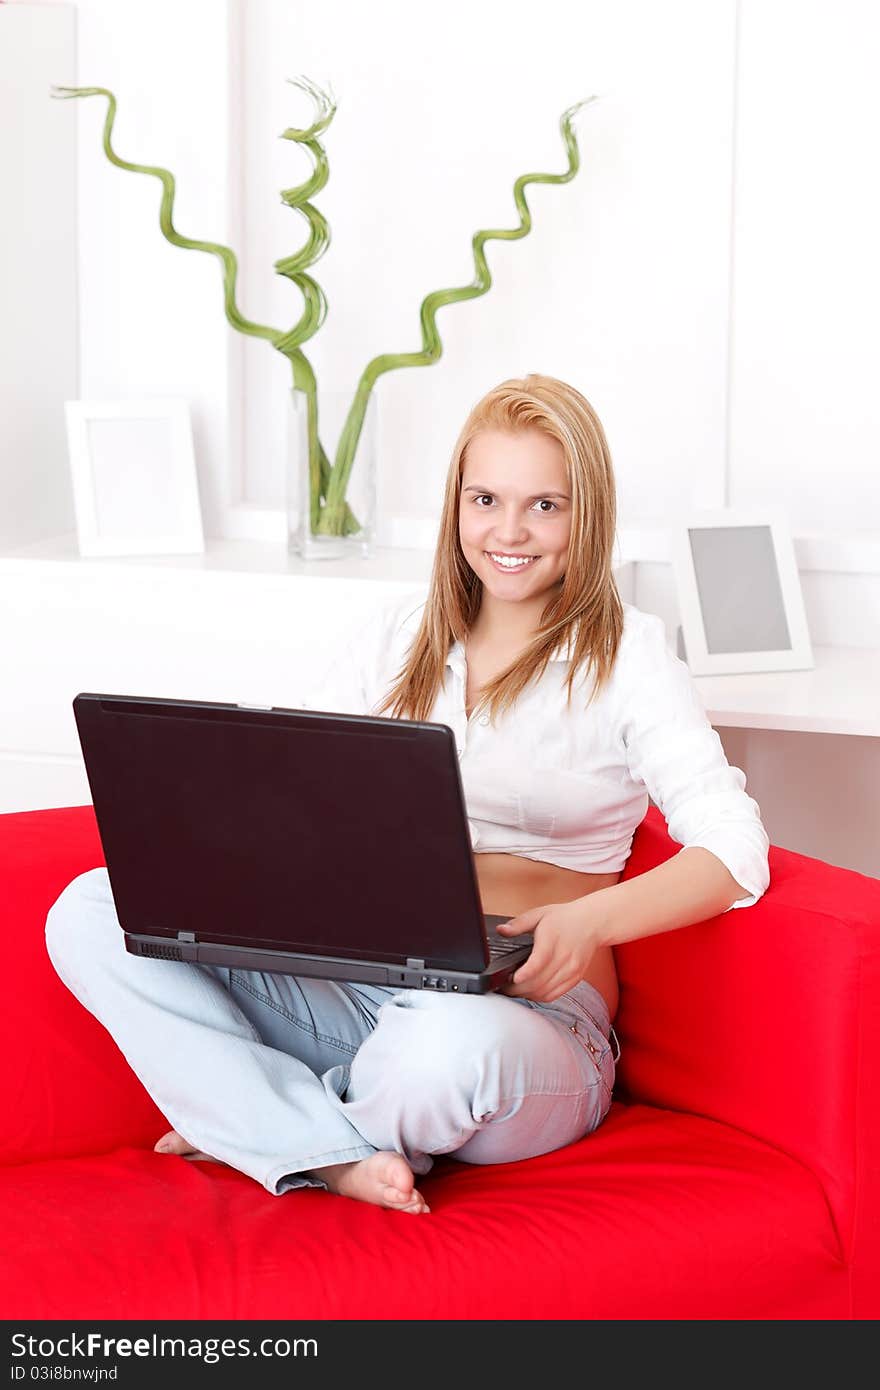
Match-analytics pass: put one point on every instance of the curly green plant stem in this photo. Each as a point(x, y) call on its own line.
point(432, 346)
point(315, 307)
point(294, 267)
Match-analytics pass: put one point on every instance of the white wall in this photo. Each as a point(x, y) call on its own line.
point(152, 320)
point(804, 419)
point(806, 407)
point(735, 371)
point(38, 281)
point(727, 369)
point(622, 284)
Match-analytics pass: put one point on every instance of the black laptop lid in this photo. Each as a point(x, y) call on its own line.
point(323, 833)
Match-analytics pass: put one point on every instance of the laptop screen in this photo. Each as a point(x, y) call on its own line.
point(316, 832)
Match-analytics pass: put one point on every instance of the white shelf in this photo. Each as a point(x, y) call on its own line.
point(224, 557)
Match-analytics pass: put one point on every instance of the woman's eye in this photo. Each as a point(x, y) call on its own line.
point(541, 500)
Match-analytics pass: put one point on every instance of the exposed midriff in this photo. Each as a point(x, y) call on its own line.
point(510, 884)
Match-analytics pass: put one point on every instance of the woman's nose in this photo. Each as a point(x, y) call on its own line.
point(512, 535)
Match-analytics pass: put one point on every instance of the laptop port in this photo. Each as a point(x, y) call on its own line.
point(435, 982)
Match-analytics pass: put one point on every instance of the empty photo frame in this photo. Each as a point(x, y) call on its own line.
point(739, 594)
point(135, 489)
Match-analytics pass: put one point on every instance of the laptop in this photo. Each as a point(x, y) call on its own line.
point(301, 841)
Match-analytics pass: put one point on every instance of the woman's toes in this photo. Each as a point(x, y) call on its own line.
point(412, 1202)
point(174, 1143)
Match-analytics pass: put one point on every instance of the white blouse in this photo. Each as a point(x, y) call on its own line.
point(565, 785)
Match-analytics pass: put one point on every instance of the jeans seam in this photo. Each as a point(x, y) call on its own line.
point(291, 1018)
point(484, 1121)
point(598, 1060)
point(553, 1095)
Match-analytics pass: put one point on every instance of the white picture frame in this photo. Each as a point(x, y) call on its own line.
point(135, 488)
point(739, 594)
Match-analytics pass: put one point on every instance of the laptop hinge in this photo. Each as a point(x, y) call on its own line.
point(413, 964)
point(186, 936)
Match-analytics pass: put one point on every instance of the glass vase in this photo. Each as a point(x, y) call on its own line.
point(360, 493)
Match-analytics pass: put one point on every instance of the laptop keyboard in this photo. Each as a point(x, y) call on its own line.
point(503, 946)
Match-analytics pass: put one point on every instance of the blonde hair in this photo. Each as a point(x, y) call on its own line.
point(587, 608)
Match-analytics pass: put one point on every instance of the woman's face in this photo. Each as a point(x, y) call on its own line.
point(515, 501)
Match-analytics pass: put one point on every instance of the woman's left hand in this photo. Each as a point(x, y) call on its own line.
point(566, 939)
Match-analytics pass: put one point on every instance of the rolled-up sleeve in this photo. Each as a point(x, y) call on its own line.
point(362, 662)
point(672, 749)
point(343, 682)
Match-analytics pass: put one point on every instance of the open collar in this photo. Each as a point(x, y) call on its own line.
point(455, 657)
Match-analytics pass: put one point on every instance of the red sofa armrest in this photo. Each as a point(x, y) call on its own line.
point(767, 1018)
point(70, 1090)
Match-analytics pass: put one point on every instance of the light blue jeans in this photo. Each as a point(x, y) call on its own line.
point(277, 1075)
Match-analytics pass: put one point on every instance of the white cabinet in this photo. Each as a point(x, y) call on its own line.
point(241, 622)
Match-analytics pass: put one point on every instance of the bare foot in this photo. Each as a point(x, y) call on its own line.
point(384, 1179)
point(174, 1143)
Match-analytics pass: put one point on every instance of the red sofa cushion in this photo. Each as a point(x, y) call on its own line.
point(656, 1215)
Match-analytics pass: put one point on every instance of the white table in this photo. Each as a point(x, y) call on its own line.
point(809, 744)
point(840, 696)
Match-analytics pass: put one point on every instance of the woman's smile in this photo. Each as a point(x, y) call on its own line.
point(511, 566)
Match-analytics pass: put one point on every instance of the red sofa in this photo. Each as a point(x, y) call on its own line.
point(737, 1175)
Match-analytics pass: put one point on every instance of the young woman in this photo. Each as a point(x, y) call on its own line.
point(301, 1082)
